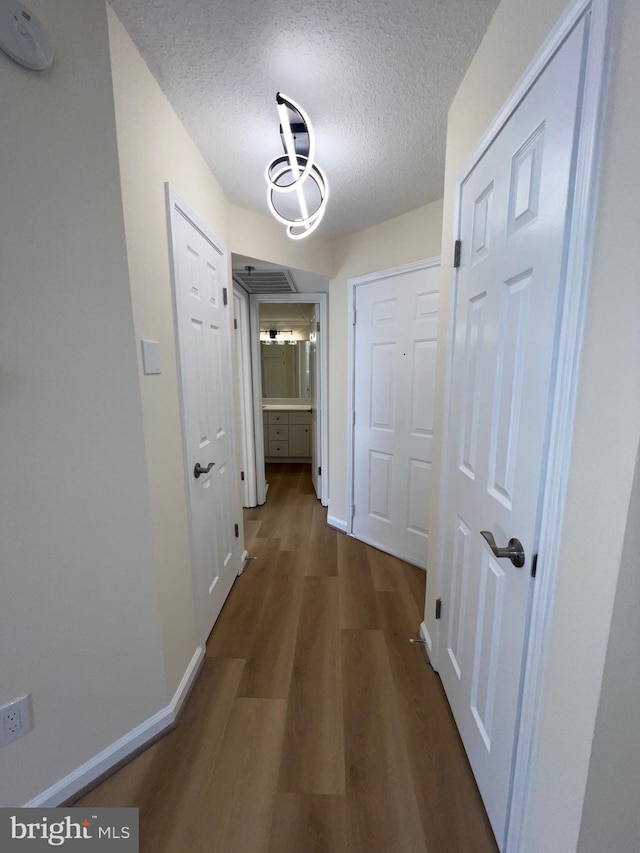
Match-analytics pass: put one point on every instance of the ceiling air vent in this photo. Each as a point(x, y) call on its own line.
point(265, 281)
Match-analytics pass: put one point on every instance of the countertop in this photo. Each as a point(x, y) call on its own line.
point(286, 407)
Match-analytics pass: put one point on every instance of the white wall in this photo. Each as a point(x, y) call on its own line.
point(607, 428)
point(611, 817)
point(411, 237)
point(78, 610)
point(262, 237)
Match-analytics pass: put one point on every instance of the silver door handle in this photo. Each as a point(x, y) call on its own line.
point(200, 470)
point(514, 550)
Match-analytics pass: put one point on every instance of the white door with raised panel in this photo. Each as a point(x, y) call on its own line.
point(507, 297)
point(200, 267)
point(396, 319)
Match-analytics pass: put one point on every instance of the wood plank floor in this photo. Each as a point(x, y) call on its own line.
point(314, 726)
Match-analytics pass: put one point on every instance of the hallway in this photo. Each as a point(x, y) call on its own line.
point(314, 725)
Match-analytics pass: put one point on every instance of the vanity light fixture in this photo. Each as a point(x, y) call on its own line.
point(296, 171)
point(276, 336)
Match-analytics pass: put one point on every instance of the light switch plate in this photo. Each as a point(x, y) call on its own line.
point(151, 363)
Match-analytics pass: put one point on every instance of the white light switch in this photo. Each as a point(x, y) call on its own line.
point(151, 357)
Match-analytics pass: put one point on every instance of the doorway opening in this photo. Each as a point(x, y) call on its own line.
point(280, 373)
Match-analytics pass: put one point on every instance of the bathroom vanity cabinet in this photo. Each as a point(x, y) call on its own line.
point(287, 435)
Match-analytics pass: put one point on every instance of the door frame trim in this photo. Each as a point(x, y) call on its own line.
point(352, 291)
point(246, 431)
point(554, 485)
point(319, 299)
point(175, 207)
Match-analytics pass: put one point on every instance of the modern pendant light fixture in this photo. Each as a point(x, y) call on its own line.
point(296, 173)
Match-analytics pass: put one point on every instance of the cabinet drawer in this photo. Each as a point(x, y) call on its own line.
point(278, 433)
point(278, 417)
point(278, 448)
point(299, 417)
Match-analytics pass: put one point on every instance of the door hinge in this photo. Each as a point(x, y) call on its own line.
point(354, 316)
point(353, 510)
point(319, 470)
point(242, 475)
point(236, 528)
point(438, 608)
point(534, 565)
point(235, 322)
point(457, 251)
point(353, 419)
point(318, 326)
point(225, 296)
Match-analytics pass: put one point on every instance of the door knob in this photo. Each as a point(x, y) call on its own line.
point(200, 470)
point(514, 550)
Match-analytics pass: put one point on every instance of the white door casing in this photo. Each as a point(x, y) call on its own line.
point(243, 396)
point(200, 280)
point(515, 207)
point(319, 391)
point(393, 367)
point(316, 446)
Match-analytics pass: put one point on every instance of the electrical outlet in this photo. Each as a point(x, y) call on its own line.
point(15, 720)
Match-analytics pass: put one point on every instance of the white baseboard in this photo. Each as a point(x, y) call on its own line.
point(190, 675)
point(83, 776)
point(338, 523)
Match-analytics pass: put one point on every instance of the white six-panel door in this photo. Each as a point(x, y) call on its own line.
point(508, 295)
point(396, 319)
point(200, 275)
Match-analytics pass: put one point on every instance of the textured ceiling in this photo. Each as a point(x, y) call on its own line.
point(376, 78)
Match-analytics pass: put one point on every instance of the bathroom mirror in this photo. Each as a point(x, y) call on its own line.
point(285, 370)
point(285, 328)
